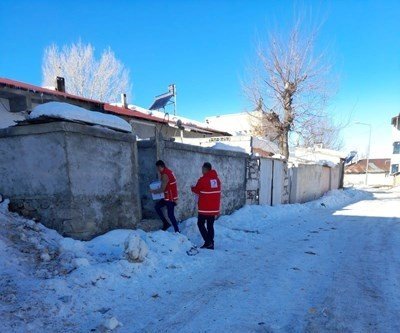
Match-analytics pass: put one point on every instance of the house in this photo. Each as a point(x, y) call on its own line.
point(395, 159)
point(378, 172)
point(17, 99)
point(234, 123)
point(317, 154)
point(247, 132)
point(253, 123)
point(255, 146)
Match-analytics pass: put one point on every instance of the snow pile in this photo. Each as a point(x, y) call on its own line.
point(8, 119)
point(338, 198)
point(223, 146)
point(111, 324)
point(32, 238)
point(75, 113)
point(255, 219)
point(60, 284)
point(135, 248)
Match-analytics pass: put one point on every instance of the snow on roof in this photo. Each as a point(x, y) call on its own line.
point(223, 146)
point(132, 111)
point(186, 122)
point(375, 165)
point(234, 123)
point(75, 113)
point(228, 115)
point(298, 160)
point(43, 90)
point(319, 150)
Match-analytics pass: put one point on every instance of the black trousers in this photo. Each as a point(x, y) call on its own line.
point(206, 233)
point(171, 214)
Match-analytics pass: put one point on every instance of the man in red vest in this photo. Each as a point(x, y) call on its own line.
point(208, 188)
point(170, 190)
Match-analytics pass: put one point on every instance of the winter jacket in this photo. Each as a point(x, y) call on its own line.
point(171, 191)
point(208, 188)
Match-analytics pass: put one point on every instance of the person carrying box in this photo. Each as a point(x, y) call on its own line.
point(170, 190)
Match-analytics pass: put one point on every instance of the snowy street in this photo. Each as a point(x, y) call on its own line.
point(331, 265)
point(316, 270)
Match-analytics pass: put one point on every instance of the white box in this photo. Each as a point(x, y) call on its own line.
point(156, 185)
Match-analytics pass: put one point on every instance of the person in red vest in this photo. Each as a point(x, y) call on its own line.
point(208, 188)
point(170, 189)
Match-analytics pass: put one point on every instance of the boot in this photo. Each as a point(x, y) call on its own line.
point(210, 246)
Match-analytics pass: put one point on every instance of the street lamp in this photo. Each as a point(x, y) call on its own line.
point(369, 148)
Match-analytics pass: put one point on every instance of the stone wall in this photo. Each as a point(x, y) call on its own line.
point(79, 180)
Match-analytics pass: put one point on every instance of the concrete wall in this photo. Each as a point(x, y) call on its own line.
point(186, 162)
point(146, 130)
point(311, 181)
point(396, 180)
point(147, 157)
point(77, 179)
point(336, 176)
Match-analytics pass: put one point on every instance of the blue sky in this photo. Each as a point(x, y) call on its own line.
point(204, 47)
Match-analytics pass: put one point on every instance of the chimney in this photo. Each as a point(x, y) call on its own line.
point(60, 84)
point(123, 101)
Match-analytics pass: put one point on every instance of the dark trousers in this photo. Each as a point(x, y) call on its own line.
point(207, 234)
point(170, 209)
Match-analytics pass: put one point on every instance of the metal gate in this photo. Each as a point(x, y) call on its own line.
point(272, 181)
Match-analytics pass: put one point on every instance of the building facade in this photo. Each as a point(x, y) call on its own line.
point(395, 159)
point(17, 100)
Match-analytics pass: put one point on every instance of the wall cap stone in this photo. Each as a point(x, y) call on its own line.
point(65, 126)
point(204, 150)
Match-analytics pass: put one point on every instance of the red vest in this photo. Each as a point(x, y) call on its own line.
point(208, 188)
point(171, 191)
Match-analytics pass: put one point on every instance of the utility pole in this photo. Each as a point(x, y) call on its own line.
point(368, 149)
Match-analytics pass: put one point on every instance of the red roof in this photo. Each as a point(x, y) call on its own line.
point(130, 113)
point(30, 87)
point(375, 165)
point(102, 106)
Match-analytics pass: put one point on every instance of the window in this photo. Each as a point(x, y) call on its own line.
point(396, 147)
point(395, 168)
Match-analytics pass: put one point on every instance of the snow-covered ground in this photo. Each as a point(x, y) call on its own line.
point(328, 265)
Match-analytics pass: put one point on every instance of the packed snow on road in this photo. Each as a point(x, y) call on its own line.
point(328, 265)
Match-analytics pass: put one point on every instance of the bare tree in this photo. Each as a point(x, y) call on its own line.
point(103, 79)
point(289, 86)
point(319, 131)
